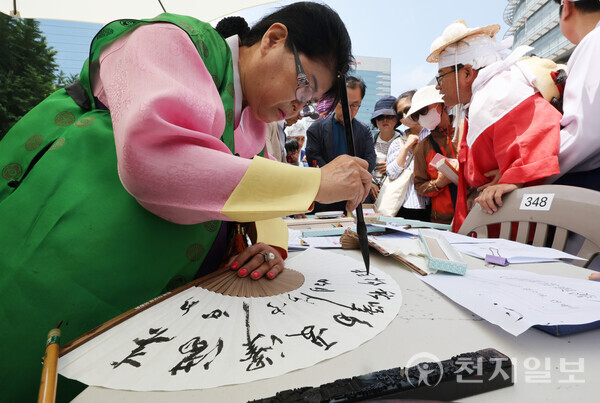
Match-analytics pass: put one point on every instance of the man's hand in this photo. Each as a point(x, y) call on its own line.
point(496, 174)
point(381, 167)
point(490, 198)
point(374, 191)
point(345, 178)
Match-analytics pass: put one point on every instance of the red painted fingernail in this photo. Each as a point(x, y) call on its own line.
point(270, 274)
point(255, 274)
point(234, 265)
point(242, 272)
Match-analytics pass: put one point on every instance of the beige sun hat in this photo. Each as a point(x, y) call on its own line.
point(456, 32)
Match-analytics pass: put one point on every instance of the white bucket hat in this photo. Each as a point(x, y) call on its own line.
point(424, 97)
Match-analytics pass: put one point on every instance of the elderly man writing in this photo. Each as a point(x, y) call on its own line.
point(511, 131)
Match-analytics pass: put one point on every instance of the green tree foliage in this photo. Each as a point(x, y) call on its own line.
point(27, 69)
point(62, 80)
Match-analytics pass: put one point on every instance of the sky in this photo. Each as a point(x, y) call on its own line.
point(402, 30)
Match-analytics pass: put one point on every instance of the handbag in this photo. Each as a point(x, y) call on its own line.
point(392, 193)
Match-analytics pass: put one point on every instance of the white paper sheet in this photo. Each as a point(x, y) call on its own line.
point(200, 339)
point(297, 242)
point(515, 300)
point(515, 252)
point(402, 243)
point(323, 242)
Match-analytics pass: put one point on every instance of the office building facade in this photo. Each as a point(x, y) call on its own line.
point(376, 73)
point(71, 41)
point(536, 23)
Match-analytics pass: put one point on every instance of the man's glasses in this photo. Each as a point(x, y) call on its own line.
point(354, 106)
point(438, 78)
point(385, 117)
point(304, 91)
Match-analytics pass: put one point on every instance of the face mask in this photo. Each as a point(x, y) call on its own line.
point(431, 120)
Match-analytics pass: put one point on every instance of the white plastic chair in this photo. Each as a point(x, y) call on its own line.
point(558, 211)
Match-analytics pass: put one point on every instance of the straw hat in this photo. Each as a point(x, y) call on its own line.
point(456, 32)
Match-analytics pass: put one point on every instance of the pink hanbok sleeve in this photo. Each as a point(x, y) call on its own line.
point(168, 119)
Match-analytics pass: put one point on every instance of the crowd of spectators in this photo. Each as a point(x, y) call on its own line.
point(487, 114)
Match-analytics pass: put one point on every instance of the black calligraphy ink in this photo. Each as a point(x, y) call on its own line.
point(188, 305)
point(349, 320)
point(360, 273)
point(381, 293)
point(195, 347)
point(373, 281)
point(293, 299)
point(142, 343)
point(512, 313)
point(296, 299)
point(216, 314)
point(309, 334)
point(276, 309)
point(371, 308)
point(254, 353)
point(320, 286)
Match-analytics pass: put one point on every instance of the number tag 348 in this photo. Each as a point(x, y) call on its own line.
point(541, 202)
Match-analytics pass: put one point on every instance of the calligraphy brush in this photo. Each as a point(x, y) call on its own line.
point(360, 218)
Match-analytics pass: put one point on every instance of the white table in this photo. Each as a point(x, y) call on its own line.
point(429, 323)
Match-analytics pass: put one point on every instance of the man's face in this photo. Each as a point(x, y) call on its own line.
point(354, 100)
point(446, 84)
point(300, 140)
point(567, 13)
point(292, 158)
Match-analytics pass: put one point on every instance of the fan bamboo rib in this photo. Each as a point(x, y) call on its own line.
point(227, 282)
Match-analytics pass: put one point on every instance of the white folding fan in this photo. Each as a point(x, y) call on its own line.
point(201, 339)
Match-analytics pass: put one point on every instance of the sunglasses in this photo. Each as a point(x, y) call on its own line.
point(421, 112)
point(403, 114)
point(385, 117)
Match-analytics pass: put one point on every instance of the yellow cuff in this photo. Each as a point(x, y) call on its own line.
point(273, 232)
point(272, 189)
